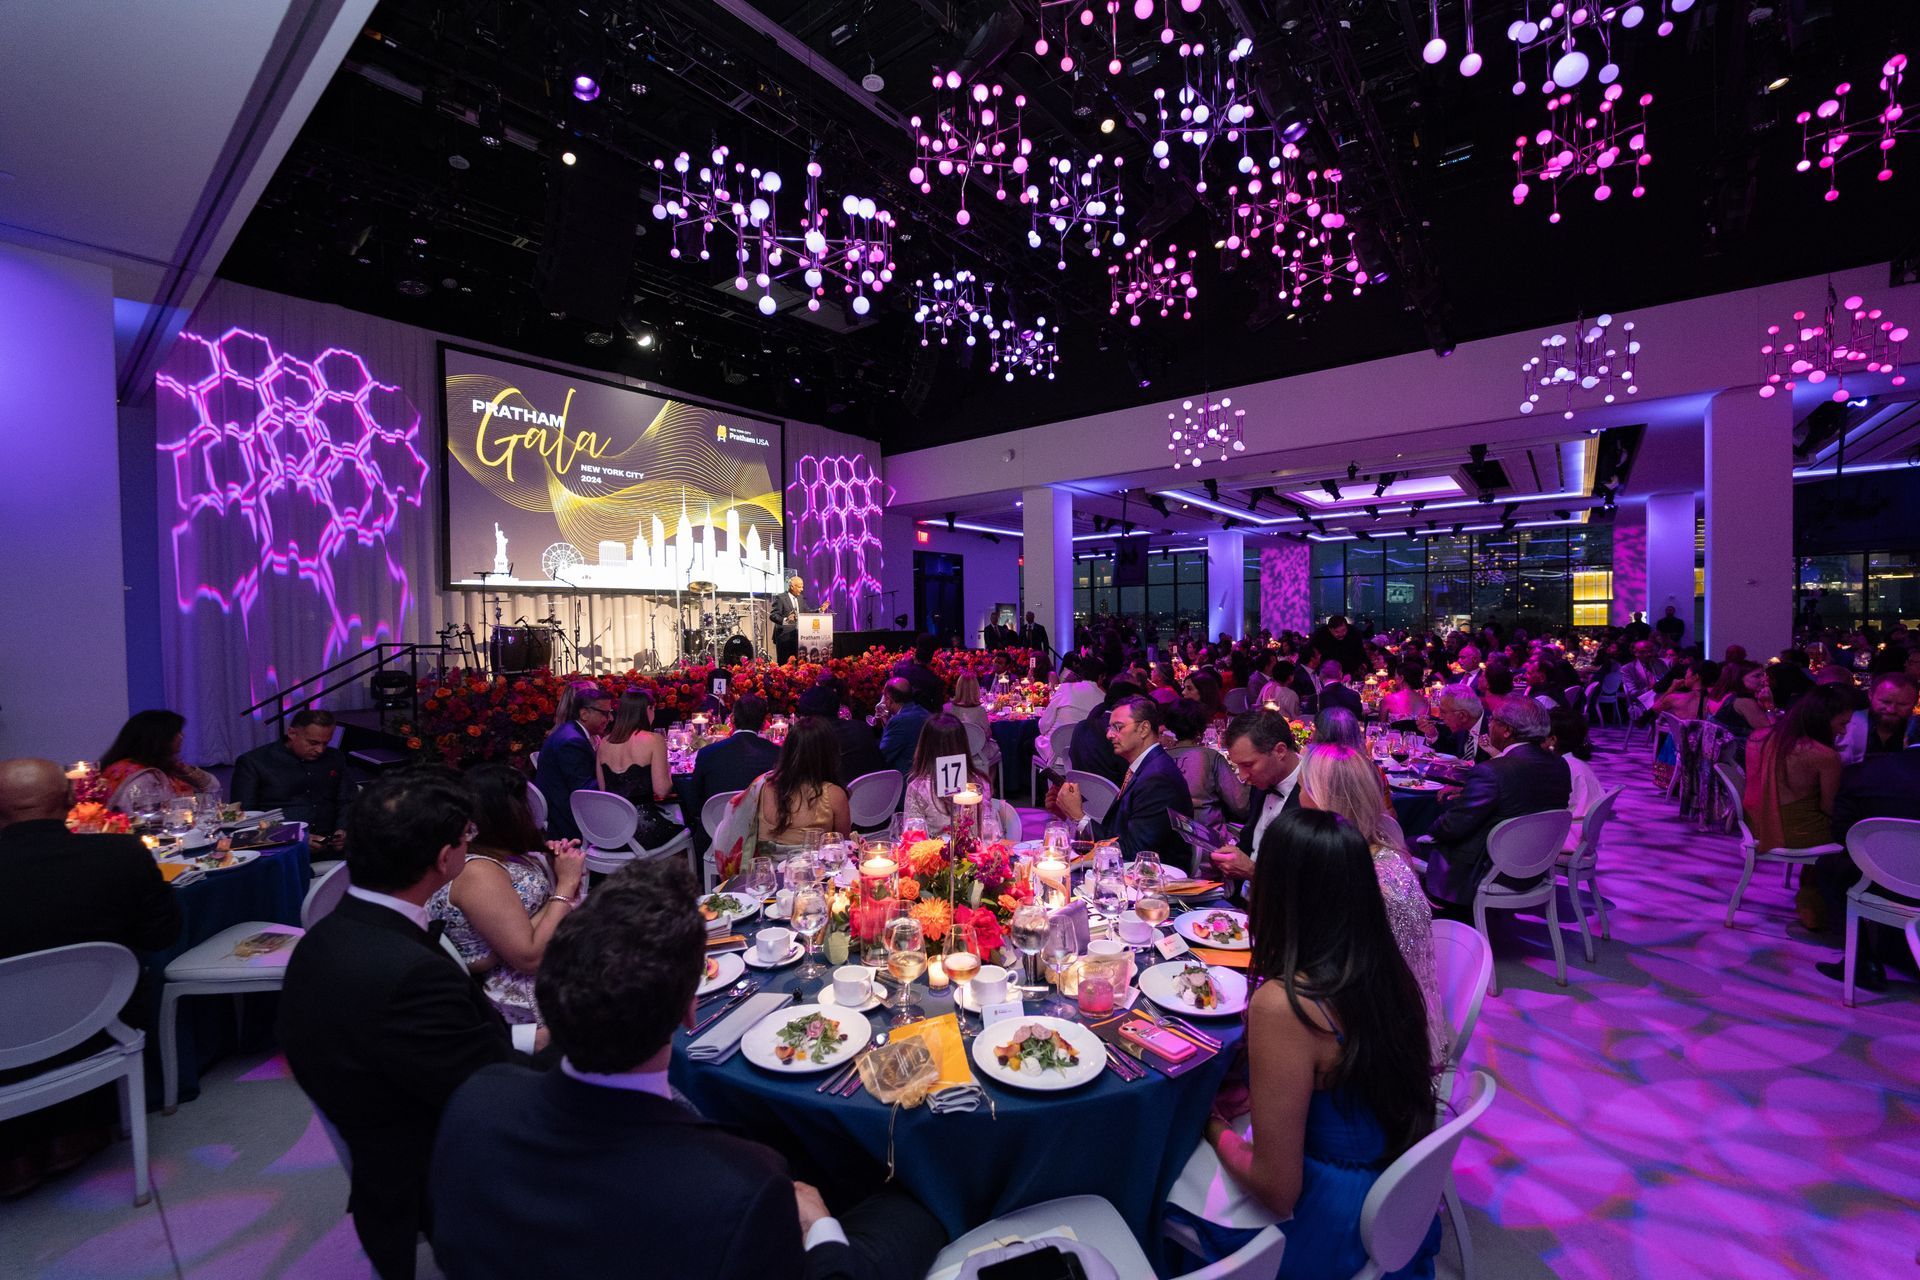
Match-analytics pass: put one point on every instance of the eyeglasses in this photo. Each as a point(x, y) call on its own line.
point(598, 711)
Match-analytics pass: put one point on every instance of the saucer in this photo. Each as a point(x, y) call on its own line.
point(830, 999)
point(752, 957)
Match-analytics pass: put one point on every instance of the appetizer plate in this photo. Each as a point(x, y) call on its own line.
point(1415, 784)
point(794, 952)
point(762, 1042)
point(1191, 926)
point(726, 968)
point(1159, 984)
point(239, 858)
point(1092, 1054)
point(749, 905)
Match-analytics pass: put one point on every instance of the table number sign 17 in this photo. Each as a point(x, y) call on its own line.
point(949, 775)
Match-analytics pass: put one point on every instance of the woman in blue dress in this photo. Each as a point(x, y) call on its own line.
point(1339, 1084)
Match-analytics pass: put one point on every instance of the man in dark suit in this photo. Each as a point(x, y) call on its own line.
point(1335, 692)
point(1034, 636)
point(1151, 788)
point(1883, 785)
point(379, 1024)
point(1458, 722)
point(566, 757)
point(929, 690)
point(64, 888)
point(302, 775)
point(905, 716)
point(1090, 750)
point(1339, 642)
point(1522, 777)
point(731, 763)
point(1263, 754)
point(596, 1169)
point(859, 745)
point(787, 607)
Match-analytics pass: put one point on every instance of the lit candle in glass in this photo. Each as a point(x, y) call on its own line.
point(78, 770)
point(878, 872)
point(936, 975)
point(1051, 872)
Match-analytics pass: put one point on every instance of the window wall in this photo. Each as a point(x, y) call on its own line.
point(1860, 588)
point(1176, 592)
point(1541, 579)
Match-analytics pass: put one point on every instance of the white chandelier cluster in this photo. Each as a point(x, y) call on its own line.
point(1083, 13)
point(960, 302)
point(1211, 106)
point(1849, 337)
point(1147, 279)
point(1568, 37)
point(1085, 197)
point(1606, 145)
point(726, 198)
point(971, 130)
point(1204, 426)
point(1827, 137)
point(1032, 348)
point(860, 257)
point(1590, 359)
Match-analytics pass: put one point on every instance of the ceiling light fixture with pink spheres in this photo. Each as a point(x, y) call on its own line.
point(1569, 37)
point(1435, 49)
point(723, 196)
point(1200, 426)
point(1827, 137)
point(1606, 145)
point(971, 131)
point(948, 304)
point(860, 257)
point(1849, 337)
point(1086, 13)
point(1147, 279)
point(1084, 197)
point(1591, 359)
point(1211, 106)
point(1030, 348)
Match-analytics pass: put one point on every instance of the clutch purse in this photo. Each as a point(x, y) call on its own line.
point(900, 1073)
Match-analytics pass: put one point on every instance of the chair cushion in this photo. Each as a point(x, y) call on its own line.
point(214, 961)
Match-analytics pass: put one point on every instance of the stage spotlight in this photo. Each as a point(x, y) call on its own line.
point(585, 87)
point(1332, 489)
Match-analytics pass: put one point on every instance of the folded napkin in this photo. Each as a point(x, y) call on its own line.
point(1188, 888)
point(722, 1040)
point(1231, 959)
point(955, 1089)
point(180, 874)
point(1076, 914)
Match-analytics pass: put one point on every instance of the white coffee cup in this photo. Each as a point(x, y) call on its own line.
point(1132, 929)
point(852, 984)
point(773, 944)
point(990, 985)
point(783, 901)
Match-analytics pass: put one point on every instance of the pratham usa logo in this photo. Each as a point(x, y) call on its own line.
point(725, 434)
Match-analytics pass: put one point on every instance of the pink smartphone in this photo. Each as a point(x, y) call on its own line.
point(1163, 1043)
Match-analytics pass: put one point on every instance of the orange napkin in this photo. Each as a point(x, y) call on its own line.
point(942, 1037)
point(1189, 888)
point(171, 871)
point(726, 940)
point(1231, 959)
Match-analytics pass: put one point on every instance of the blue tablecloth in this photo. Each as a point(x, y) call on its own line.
point(1124, 1141)
point(1416, 810)
point(270, 888)
point(1016, 739)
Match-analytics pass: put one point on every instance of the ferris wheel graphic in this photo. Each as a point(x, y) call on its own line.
point(557, 559)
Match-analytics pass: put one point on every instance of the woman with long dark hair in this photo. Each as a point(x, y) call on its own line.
point(1793, 772)
point(1203, 686)
point(632, 763)
point(1337, 1051)
point(143, 769)
point(941, 735)
point(799, 793)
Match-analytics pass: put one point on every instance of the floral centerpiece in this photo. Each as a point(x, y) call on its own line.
point(89, 812)
point(971, 884)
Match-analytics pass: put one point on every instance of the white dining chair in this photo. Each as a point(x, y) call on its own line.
point(1398, 1211)
point(1235, 701)
point(212, 969)
point(1582, 863)
point(1887, 851)
point(977, 738)
point(1525, 849)
point(56, 1000)
point(712, 814)
point(1011, 826)
point(1093, 1222)
point(873, 798)
point(1097, 795)
point(1751, 853)
point(1463, 968)
point(1058, 753)
point(537, 802)
point(607, 825)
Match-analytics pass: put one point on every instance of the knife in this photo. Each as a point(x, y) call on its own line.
point(715, 1016)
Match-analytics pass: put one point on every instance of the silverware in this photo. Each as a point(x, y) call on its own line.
point(846, 1085)
point(1126, 1070)
point(1181, 1024)
point(725, 992)
point(719, 1013)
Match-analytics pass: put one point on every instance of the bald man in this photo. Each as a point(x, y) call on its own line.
point(787, 607)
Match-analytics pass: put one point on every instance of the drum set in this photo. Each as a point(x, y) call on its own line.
point(711, 633)
point(694, 626)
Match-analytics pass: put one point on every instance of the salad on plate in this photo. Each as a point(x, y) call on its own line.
point(812, 1038)
point(716, 905)
point(1035, 1050)
point(1194, 985)
point(1220, 926)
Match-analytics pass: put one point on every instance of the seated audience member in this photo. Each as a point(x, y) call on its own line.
point(1334, 691)
point(143, 769)
point(1263, 754)
point(1885, 725)
point(1495, 683)
point(1166, 686)
point(1203, 686)
point(1278, 694)
point(1458, 724)
point(1407, 699)
point(799, 794)
point(1089, 750)
point(1218, 794)
point(1072, 700)
point(929, 690)
point(965, 707)
point(733, 762)
point(1568, 740)
point(506, 902)
point(1339, 1063)
point(1883, 785)
point(859, 745)
point(1690, 695)
point(1522, 777)
point(567, 756)
point(1784, 682)
point(1339, 727)
point(925, 807)
point(903, 720)
point(1641, 675)
point(64, 888)
point(1793, 775)
point(597, 1169)
point(631, 762)
point(302, 775)
point(378, 1023)
point(1150, 789)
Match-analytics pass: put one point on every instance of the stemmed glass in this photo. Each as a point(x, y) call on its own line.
point(906, 960)
point(1146, 870)
point(962, 961)
point(1058, 838)
point(1057, 951)
point(810, 922)
point(1028, 928)
point(761, 878)
point(1109, 891)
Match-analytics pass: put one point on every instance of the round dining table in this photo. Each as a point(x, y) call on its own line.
point(1016, 736)
point(1125, 1141)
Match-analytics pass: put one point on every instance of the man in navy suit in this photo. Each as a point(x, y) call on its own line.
point(1262, 751)
point(1335, 692)
point(1152, 788)
point(905, 717)
point(566, 757)
point(731, 763)
point(1522, 777)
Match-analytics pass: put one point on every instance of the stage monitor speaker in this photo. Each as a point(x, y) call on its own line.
point(587, 256)
point(1129, 564)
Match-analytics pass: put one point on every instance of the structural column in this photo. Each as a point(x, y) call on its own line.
point(1749, 448)
point(1670, 557)
point(1629, 563)
point(1226, 583)
point(1047, 544)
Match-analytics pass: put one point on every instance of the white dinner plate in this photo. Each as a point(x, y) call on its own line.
point(1187, 923)
point(1157, 985)
point(794, 952)
point(730, 968)
point(1415, 784)
point(749, 905)
point(968, 998)
point(241, 857)
point(875, 995)
point(758, 1044)
point(1091, 1049)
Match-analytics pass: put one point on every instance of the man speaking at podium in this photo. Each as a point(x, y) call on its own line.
point(787, 607)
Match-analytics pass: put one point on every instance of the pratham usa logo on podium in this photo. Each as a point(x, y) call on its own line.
point(816, 636)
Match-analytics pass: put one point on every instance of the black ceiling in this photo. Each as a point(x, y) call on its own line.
point(367, 200)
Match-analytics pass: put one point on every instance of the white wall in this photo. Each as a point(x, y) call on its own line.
point(63, 684)
point(990, 572)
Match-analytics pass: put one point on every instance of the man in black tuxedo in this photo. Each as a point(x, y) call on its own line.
point(379, 1024)
point(1034, 635)
point(1883, 785)
point(1459, 719)
point(731, 763)
point(1522, 777)
point(64, 888)
point(1262, 751)
point(1336, 692)
point(929, 690)
point(1151, 788)
point(597, 1169)
point(787, 607)
point(567, 757)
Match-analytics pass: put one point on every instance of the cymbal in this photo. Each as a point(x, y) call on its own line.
point(702, 588)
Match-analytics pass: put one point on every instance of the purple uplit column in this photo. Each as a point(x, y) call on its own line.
point(1226, 583)
point(1749, 523)
point(1284, 604)
point(1671, 529)
point(1629, 562)
point(1047, 543)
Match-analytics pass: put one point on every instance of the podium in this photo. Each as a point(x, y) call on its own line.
point(815, 637)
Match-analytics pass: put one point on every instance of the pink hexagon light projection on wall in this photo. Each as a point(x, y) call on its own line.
point(834, 506)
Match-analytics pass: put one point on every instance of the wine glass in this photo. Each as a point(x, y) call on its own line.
point(897, 829)
point(906, 960)
point(1028, 928)
point(761, 878)
point(810, 922)
point(962, 961)
point(1109, 891)
point(1058, 948)
point(1058, 838)
point(1146, 871)
point(990, 829)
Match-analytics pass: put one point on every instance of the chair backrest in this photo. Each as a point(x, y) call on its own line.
point(1235, 701)
point(1097, 795)
point(1010, 822)
point(606, 821)
point(1398, 1212)
point(1736, 785)
point(1547, 701)
point(1887, 851)
point(1257, 1259)
point(1529, 845)
point(57, 998)
point(537, 801)
point(1611, 684)
point(1593, 824)
point(323, 895)
point(1463, 968)
point(872, 798)
point(1060, 741)
point(714, 810)
point(976, 736)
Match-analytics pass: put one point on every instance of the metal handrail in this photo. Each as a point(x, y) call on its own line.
point(377, 651)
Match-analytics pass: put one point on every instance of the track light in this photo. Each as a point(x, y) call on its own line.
point(1384, 479)
point(1486, 496)
point(1507, 512)
point(1159, 504)
point(1213, 489)
point(1372, 510)
point(1478, 453)
point(1353, 472)
point(1332, 489)
point(1459, 528)
point(950, 518)
point(1420, 505)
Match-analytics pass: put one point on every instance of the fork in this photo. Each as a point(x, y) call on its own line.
point(1122, 1067)
point(719, 1013)
point(851, 1071)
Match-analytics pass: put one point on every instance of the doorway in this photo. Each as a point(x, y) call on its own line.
point(937, 595)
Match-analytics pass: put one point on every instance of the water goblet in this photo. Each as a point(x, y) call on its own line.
point(1058, 950)
point(906, 960)
point(810, 922)
point(1028, 928)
